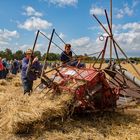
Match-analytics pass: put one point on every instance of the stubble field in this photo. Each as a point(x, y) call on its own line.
point(41, 117)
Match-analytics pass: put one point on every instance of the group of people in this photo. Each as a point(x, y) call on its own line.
point(7, 67)
point(30, 67)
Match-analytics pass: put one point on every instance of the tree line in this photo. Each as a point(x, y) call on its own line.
point(19, 54)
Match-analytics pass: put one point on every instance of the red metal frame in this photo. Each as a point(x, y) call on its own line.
point(90, 78)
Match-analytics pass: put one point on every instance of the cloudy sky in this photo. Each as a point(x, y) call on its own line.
point(73, 22)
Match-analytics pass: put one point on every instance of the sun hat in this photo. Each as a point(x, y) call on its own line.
point(29, 51)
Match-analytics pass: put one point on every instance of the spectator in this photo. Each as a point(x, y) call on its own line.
point(1, 68)
point(5, 69)
point(15, 67)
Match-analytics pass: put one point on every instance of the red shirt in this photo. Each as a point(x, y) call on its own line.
point(1, 66)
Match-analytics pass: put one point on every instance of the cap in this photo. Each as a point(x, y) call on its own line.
point(29, 51)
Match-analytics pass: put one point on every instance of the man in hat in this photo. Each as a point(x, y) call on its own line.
point(66, 57)
point(29, 74)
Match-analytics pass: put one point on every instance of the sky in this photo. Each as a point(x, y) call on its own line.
point(73, 21)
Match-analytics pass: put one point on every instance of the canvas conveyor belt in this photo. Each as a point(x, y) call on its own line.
point(128, 87)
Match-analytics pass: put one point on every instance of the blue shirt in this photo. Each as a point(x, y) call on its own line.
point(36, 66)
point(66, 57)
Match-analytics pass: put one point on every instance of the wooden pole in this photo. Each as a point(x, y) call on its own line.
point(111, 29)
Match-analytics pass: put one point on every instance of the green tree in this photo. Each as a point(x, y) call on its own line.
point(2, 54)
point(38, 54)
point(18, 55)
point(51, 56)
point(8, 54)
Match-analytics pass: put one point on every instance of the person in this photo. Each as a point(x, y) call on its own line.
point(5, 68)
point(66, 58)
point(1, 68)
point(29, 74)
point(15, 67)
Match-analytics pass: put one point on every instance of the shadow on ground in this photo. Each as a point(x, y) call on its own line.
point(103, 123)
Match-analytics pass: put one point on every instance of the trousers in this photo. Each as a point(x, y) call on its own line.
point(27, 85)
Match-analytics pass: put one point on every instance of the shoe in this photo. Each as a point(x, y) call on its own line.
point(28, 93)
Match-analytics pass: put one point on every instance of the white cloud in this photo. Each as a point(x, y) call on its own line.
point(24, 47)
point(128, 11)
point(30, 11)
point(120, 14)
point(4, 42)
point(80, 42)
point(135, 27)
point(127, 36)
point(129, 42)
point(38, 46)
point(35, 23)
point(64, 2)
point(125, 11)
point(61, 35)
point(6, 36)
point(120, 28)
point(84, 45)
point(97, 11)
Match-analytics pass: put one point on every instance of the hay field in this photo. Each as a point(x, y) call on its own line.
point(41, 117)
point(125, 66)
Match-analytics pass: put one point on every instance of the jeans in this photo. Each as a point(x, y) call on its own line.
point(76, 64)
point(5, 72)
point(14, 71)
point(27, 85)
point(1, 74)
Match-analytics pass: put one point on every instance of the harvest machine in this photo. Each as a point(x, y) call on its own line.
point(92, 88)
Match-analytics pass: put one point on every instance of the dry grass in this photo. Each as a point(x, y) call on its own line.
point(39, 117)
point(3, 82)
point(125, 66)
point(129, 68)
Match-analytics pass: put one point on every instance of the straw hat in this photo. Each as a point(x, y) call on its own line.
point(29, 51)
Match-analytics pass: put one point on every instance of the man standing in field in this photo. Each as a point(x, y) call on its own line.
point(31, 75)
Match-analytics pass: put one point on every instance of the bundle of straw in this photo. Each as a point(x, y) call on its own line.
point(20, 114)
